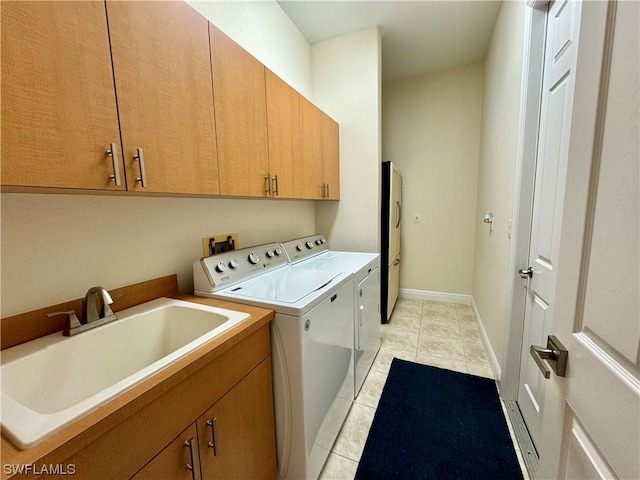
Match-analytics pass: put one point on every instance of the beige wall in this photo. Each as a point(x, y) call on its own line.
point(347, 85)
point(263, 29)
point(54, 247)
point(498, 154)
point(431, 130)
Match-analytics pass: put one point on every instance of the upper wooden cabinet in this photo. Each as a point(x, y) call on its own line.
point(241, 118)
point(311, 143)
point(59, 112)
point(331, 157)
point(60, 123)
point(151, 97)
point(283, 128)
point(320, 153)
point(163, 80)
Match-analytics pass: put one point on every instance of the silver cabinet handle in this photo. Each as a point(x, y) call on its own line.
point(275, 190)
point(327, 191)
point(267, 180)
point(113, 153)
point(322, 190)
point(194, 466)
point(142, 179)
point(399, 213)
point(555, 355)
point(213, 444)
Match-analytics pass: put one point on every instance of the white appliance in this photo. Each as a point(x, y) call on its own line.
point(311, 345)
point(390, 256)
point(313, 253)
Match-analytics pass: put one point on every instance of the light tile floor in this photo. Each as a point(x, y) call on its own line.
point(444, 335)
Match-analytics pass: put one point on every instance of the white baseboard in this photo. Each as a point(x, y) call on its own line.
point(493, 360)
point(435, 296)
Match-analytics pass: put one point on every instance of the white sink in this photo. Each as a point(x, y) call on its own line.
point(49, 382)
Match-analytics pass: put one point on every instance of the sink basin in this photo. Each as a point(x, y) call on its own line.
point(49, 382)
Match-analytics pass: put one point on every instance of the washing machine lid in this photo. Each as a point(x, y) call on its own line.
point(286, 285)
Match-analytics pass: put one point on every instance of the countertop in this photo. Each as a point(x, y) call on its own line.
point(82, 432)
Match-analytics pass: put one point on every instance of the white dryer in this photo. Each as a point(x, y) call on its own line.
point(312, 253)
point(311, 345)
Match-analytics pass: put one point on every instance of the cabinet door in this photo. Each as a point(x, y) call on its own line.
point(59, 112)
point(331, 156)
point(283, 129)
point(241, 117)
point(311, 149)
point(163, 80)
point(176, 461)
point(237, 436)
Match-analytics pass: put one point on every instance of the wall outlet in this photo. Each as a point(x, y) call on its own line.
point(416, 218)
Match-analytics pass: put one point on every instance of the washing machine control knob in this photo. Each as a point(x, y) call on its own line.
point(253, 258)
point(234, 264)
point(309, 245)
point(270, 253)
point(278, 251)
point(299, 247)
point(221, 267)
point(319, 241)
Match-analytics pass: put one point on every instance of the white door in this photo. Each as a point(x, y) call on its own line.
point(592, 418)
point(553, 142)
point(590, 422)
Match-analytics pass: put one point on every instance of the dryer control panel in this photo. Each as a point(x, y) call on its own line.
point(218, 271)
point(305, 247)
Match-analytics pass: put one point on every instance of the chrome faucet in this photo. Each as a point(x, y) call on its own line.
point(92, 316)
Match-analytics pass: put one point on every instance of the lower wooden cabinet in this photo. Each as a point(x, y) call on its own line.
point(233, 439)
point(176, 461)
point(236, 434)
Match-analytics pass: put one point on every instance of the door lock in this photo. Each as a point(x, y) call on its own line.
point(555, 355)
point(526, 272)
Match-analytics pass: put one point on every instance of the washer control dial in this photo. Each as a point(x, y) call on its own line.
point(234, 264)
point(278, 251)
point(270, 253)
point(309, 245)
point(253, 258)
point(299, 247)
point(221, 267)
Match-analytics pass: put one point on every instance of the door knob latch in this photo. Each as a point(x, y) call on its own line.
point(555, 355)
point(526, 272)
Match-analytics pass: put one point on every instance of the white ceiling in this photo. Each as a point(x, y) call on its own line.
point(417, 36)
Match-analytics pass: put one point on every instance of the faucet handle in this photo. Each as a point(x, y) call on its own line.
point(73, 319)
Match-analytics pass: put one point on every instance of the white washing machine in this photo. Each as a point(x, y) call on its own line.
point(313, 253)
point(311, 345)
